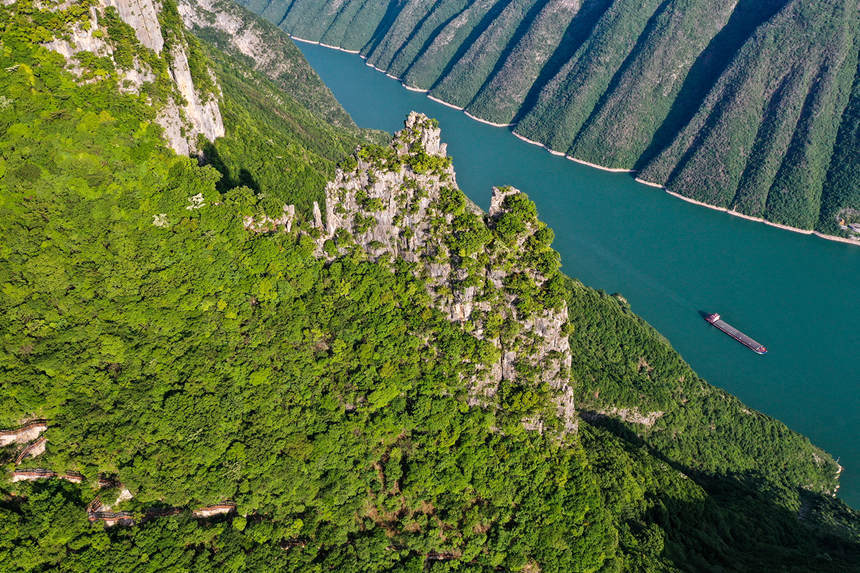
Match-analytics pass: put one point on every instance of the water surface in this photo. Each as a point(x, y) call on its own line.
point(797, 294)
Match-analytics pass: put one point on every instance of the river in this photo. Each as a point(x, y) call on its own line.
point(797, 294)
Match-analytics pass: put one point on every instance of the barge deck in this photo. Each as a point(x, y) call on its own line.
point(756, 347)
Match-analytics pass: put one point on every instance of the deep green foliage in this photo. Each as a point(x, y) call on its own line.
point(620, 362)
point(197, 361)
point(282, 62)
point(668, 521)
point(273, 145)
point(841, 195)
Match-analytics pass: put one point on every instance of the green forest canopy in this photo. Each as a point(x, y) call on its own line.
point(198, 362)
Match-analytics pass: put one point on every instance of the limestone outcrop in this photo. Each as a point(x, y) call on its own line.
point(266, 49)
point(495, 273)
point(200, 114)
point(188, 113)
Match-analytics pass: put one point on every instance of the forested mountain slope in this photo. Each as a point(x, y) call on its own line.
point(348, 394)
point(263, 47)
point(742, 104)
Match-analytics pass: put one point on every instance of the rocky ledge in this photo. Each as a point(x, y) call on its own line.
point(495, 273)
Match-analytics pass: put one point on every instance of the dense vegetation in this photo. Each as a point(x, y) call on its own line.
point(273, 145)
point(285, 132)
point(200, 362)
point(196, 362)
point(621, 363)
point(736, 104)
point(259, 45)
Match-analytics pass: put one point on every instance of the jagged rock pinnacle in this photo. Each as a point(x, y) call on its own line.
point(403, 201)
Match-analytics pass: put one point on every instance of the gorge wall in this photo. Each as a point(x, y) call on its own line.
point(188, 111)
point(493, 273)
point(360, 418)
point(737, 104)
point(268, 50)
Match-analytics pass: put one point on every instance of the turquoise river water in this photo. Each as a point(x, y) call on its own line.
point(797, 294)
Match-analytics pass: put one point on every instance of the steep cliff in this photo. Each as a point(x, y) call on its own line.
point(242, 34)
point(158, 52)
point(495, 273)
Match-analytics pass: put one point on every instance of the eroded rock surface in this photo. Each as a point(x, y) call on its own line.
point(185, 115)
point(494, 273)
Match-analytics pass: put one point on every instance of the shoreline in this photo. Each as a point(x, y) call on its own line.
point(297, 39)
point(733, 213)
point(445, 103)
point(494, 124)
point(837, 239)
point(737, 214)
point(531, 141)
point(572, 158)
point(601, 167)
point(315, 43)
point(808, 232)
point(649, 183)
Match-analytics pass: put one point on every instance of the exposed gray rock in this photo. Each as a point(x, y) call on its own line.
point(629, 415)
point(202, 114)
point(142, 15)
point(390, 208)
point(33, 450)
point(498, 199)
point(182, 126)
point(210, 510)
point(317, 216)
point(266, 49)
point(169, 117)
point(84, 39)
point(81, 39)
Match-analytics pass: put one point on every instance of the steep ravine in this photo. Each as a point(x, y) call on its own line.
point(238, 32)
point(736, 114)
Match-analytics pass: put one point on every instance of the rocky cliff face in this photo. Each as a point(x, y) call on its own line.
point(82, 38)
point(494, 273)
point(200, 113)
point(188, 112)
point(264, 47)
point(142, 15)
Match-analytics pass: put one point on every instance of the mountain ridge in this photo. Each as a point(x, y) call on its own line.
point(640, 87)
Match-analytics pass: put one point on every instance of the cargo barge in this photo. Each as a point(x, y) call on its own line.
point(736, 334)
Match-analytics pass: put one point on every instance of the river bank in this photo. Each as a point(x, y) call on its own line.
point(734, 213)
point(582, 161)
